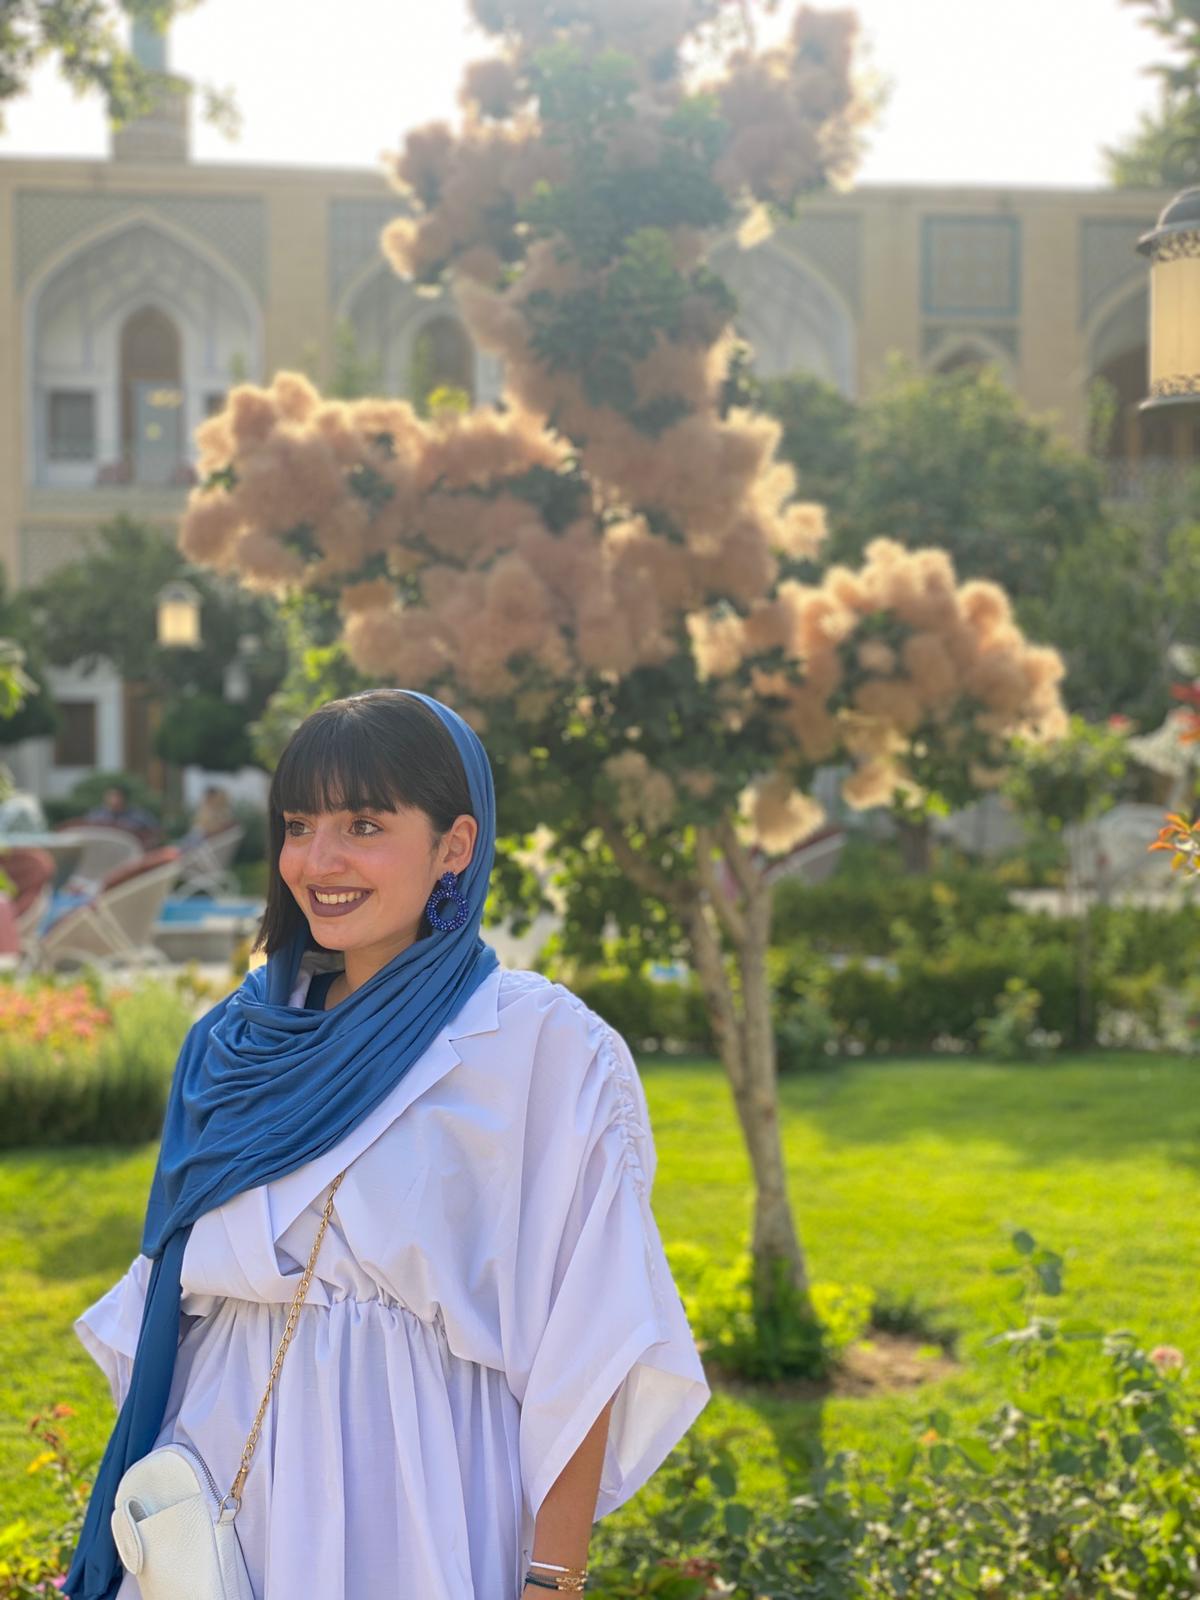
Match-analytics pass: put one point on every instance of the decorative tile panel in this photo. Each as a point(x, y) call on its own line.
point(234, 226)
point(832, 241)
point(970, 266)
point(1108, 258)
point(354, 229)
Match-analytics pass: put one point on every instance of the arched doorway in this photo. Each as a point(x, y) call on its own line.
point(152, 443)
point(1141, 448)
point(442, 358)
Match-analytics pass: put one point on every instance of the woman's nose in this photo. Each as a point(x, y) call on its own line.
point(325, 850)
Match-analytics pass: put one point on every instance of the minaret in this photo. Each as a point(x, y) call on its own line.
point(162, 134)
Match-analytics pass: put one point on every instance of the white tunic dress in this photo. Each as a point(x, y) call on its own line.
point(491, 1277)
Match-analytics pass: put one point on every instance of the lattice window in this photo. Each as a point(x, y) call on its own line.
point(75, 741)
point(971, 265)
point(71, 425)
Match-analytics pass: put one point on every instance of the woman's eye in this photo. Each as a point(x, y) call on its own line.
point(292, 826)
point(365, 823)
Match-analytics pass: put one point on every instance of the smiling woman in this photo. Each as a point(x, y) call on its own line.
point(489, 1351)
point(370, 810)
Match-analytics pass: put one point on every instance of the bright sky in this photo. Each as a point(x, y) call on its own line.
point(983, 91)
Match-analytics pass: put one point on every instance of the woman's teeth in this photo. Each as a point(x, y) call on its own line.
point(337, 899)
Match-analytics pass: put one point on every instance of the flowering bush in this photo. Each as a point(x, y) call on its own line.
point(1182, 839)
point(54, 1018)
point(77, 1067)
point(33, 1565)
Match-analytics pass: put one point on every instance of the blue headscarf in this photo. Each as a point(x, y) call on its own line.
point(261, 1088)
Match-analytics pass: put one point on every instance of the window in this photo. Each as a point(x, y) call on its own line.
point(443, 358)
point(75, 742)
point(72, 429)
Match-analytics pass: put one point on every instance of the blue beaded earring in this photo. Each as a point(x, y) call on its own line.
point(446, 889)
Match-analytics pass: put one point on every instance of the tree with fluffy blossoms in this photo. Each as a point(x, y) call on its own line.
point(611, 575)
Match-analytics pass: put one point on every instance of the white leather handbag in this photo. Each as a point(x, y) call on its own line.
point(173, 1528)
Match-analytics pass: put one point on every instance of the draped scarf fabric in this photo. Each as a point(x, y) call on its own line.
point(261, 1088)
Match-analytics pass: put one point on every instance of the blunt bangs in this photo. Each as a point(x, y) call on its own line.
point(336, 764)
point(383, 750)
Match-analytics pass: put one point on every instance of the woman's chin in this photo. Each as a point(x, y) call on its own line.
point(329, 932)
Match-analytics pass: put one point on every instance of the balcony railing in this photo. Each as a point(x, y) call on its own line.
point(1139, 481)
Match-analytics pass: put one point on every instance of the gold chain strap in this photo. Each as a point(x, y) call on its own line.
point(235, 1494)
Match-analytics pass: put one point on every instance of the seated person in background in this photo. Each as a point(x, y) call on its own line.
point(213, 815)
point(115, 811)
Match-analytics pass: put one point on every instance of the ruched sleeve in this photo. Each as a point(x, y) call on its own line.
point(109, 1329)
point(594, 1311)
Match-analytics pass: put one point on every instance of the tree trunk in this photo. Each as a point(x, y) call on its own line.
point(741, 1022)
point(744, 1031)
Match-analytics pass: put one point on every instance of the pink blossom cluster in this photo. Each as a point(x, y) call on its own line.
point(52, 1017)
point(453, 575)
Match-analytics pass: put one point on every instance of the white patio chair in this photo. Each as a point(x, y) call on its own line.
point(102, 850)
point(113, 927)
point(206, 866)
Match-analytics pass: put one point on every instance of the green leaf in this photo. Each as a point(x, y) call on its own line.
point(1023, 1243)
point(737, 1520)
point(977, 1454)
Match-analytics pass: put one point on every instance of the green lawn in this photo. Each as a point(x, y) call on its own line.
point(908, 1177)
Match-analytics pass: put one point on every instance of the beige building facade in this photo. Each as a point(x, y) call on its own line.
point(135, 291)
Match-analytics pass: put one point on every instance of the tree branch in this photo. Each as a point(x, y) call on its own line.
point(750, 879)
point(642, 872)
point(731, 918)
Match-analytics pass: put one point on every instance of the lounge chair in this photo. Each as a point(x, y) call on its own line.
point(206, 865)
point(104, 848)
point(113, 926)
point(31, 873)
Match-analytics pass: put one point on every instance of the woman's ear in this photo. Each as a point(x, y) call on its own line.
point(458, 846)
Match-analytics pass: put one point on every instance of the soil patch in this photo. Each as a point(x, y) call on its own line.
point(884, 1363)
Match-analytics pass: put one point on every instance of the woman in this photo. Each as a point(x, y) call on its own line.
point(492, 1353)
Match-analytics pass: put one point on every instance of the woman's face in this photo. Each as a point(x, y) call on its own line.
point(362, 878)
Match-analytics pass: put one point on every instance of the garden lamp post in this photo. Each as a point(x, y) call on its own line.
point(179, 615)
point(178, 628)
point(1173, 248)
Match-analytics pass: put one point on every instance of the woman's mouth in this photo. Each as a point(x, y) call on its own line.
point(334, 902)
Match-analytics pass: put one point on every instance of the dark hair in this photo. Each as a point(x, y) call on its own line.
point(377, 751)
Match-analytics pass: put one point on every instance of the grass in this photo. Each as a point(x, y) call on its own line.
point(907, 1176)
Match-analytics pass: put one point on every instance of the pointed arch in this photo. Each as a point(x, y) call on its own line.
point(794, 316)
point(401, 325)
point(971, 349)
point(74, 311)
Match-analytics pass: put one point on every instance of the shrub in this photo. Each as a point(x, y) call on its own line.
point(1012, 1032)
point(649, 1013)
point(806, 1036)
point(79, 1068)
point(786, 1340)
point(33, 1564)
point(204, 730)
point(869, 916)
point(1051, 1498)
point(252, 847)
point(929, 995)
